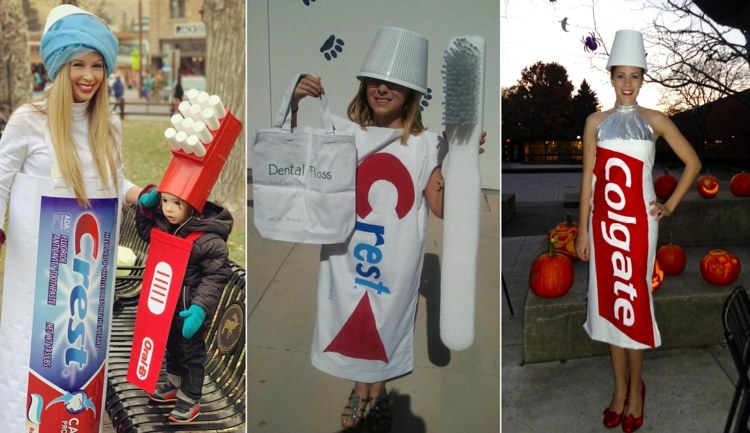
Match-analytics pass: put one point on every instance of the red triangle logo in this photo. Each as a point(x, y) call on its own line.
point(359, 336)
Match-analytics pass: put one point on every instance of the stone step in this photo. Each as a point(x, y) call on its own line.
point(722, 220)
point(687, 308)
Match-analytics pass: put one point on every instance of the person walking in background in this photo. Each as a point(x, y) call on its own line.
point(178, 92)
point(118, 88)
point(60, 158)
point(38, 84)
point(157, 84)
point(147, 87)
point(618, 225)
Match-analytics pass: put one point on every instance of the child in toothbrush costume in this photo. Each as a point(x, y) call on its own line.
point(206, 275)
point(62, 185)
point(368, 285)
point(179, 207)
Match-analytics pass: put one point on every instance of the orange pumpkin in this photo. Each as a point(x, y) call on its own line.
point(551, 274)
point(720, 267)
point(657, 277)
point(565, 238)
point(664, 185)
point(671, 257)
point(740, 184)
point(708, 186)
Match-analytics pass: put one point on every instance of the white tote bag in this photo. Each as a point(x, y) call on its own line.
point(303, 179)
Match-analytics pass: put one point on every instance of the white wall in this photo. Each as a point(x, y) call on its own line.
point(285, 38)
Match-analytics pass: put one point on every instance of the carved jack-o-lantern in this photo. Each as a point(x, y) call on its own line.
point(565, 238)
point(708, 186)
point(720, 267)
point(657, 277)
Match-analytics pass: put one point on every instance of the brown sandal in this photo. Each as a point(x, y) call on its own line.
point(380, 415)
point(354, 411)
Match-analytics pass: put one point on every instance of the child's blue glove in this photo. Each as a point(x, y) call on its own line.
point(149, 198)
point(193, 320)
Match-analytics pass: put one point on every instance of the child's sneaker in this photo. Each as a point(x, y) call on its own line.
point(165, 393)
point(185, 410)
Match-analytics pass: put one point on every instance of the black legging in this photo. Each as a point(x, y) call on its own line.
point(186, 358)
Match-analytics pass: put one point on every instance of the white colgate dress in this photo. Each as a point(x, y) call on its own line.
point(58, 282)
point(623, 234)
point(368, 286)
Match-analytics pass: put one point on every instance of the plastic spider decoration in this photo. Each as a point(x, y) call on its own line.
point(590, 42)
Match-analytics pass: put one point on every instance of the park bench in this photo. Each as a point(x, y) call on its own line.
point(223, 402)
point(128, 281)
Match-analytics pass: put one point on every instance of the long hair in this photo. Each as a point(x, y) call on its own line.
point(104, 147)
point(359, 112)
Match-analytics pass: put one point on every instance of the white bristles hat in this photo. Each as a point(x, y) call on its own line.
point(627, 50)
point(397, 56)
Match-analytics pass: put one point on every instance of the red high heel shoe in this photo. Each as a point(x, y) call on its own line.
point(611, 418)
point(631, 423)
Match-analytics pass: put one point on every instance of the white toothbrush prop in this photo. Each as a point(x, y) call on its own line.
point(463, 76)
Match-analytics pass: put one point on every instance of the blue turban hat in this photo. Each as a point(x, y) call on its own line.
point(71, 31)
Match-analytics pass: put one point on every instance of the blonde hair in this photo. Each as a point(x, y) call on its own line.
point(104, 147)
point(359, 112)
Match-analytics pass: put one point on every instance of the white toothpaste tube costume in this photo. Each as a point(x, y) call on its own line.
point(368, 286)
point(623, 234)
point(60, 258)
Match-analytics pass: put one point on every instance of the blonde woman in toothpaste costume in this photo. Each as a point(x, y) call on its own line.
point(368, 286)
point(618, 225)
point(67, 145)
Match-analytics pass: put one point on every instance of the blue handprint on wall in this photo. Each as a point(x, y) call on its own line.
point(307, 2)
point(331, 47)
point(426, 100)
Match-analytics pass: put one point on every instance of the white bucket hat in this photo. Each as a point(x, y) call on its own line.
point(397, 56)
point(627, 50)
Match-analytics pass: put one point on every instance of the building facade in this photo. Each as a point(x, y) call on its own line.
point(177, 39)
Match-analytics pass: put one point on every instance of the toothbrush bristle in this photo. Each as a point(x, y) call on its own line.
point(462, 82)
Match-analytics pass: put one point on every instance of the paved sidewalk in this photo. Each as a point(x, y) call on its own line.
point(448, 392)
point(687, 390)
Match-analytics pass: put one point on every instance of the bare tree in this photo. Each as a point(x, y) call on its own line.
point(691, 95)
point(225, 76)
point(697, 59)
point(15, 73)
point(32, 16)
point(732, 13)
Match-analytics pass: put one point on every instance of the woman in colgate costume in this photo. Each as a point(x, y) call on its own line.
point(618, 224)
